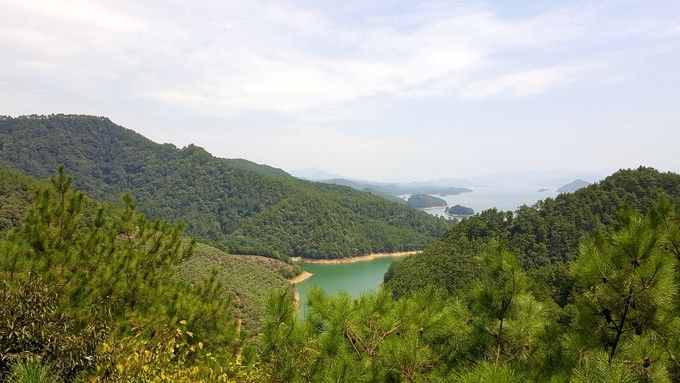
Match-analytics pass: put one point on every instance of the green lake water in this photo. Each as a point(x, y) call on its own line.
point(352, 278)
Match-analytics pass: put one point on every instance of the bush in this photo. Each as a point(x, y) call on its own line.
point(33, 325)
point(32, 371)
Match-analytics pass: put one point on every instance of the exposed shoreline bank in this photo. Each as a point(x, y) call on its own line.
point(303, 276)
point(360, 258)
point(300, 278)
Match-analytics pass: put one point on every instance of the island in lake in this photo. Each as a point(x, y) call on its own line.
point(460, 210)
point(422, 201)
point(543, 190)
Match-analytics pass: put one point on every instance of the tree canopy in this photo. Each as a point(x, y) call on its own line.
point(234, 204)
point(91, 293)
point(542, 235)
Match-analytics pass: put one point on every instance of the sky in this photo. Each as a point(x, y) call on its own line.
point(381, 90)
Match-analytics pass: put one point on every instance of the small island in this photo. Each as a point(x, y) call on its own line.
point(573, 186)
point(543, 190)
point(459, 210)
point(422, 201)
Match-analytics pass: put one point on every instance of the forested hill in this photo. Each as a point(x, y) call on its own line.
point(16, 193)
point(546, 233)
point(235, 204)
point(247, 280)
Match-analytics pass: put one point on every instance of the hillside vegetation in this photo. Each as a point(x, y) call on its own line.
point(246, 280)
point(547, 233)
point(16, 193)
point(100, 301)
point(236, 205)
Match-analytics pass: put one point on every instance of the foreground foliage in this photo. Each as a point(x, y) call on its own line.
point(96, 298)
point(70, 283)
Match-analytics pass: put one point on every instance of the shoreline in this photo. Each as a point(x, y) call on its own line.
point(360, 258)
point(300, 278)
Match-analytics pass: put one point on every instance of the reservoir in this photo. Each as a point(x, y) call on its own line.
point(352, 278)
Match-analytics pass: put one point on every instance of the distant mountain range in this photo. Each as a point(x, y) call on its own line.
point(399, 189)
point(573, 186)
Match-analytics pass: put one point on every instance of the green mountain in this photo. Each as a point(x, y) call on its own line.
point(236, 205)
point(247, 280)
point(545, 234)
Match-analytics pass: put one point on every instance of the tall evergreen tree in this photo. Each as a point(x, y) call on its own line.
point(625, 285)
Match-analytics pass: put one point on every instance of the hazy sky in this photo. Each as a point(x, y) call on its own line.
point(368, 89)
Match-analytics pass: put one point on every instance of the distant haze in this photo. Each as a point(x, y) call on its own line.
point(525, 92)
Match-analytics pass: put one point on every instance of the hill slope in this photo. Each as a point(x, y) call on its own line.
point(237, 205)
point(248, 280)
point(543, 234)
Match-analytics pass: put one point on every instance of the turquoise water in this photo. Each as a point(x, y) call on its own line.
point(352, 278)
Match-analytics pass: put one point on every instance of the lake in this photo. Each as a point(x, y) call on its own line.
point(484, 198)
point(362, 277)
point(353, 278)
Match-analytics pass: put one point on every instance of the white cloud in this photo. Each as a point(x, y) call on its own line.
point(525, 83)
point(381, 60)
point(365, 90)
point(221, 57)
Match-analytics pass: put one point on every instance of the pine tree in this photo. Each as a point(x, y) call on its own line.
point(625, 285)
point(508, 319)
point(100, 272)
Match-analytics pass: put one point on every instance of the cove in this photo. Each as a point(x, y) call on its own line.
point(352, 278)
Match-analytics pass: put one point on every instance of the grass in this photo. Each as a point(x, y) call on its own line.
point(31, 371)
point(247, 279)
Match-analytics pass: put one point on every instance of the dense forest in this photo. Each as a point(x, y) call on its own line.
point(246, 280)
point(542, 236)
point(91, 293)
point(236, 205)
point(16, 193)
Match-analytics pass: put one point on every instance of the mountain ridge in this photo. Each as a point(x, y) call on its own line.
point(236, 204)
